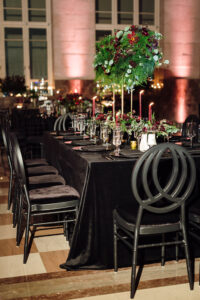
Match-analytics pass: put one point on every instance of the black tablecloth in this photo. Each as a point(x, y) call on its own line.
point(103, 184)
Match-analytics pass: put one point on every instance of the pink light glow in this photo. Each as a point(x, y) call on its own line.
point(181, 113)
point(75, 86)
point(181, 38)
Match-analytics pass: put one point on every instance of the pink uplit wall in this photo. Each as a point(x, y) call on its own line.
point(73, 39)
point(181, 112)
point(181, 46)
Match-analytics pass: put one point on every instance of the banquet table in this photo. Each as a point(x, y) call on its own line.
point(103, 183)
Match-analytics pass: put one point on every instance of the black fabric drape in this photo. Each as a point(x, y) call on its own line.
point(103, 184)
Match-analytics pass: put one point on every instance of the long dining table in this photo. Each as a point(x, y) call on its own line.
point(103, 182)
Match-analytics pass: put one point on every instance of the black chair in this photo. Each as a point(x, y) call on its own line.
point(44, 202)
point(37, 177)
point(194, 222)
point(161, 193)
point(35, 167)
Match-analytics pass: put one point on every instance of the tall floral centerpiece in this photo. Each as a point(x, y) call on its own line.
point(128, 58)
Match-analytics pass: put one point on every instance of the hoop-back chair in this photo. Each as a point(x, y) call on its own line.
point(161, 194)
point(43, 202)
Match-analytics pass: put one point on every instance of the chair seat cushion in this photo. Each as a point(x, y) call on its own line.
point(42, 181)
point(54, 197)
point(36, 162)
point(126, 216)
point(41, 170)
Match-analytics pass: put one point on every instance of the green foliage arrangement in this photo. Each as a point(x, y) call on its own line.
point(129, 57)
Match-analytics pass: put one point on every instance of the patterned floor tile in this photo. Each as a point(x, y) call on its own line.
point(8, 247)
point(12, 266)
point(53, 259)
point(51, 243)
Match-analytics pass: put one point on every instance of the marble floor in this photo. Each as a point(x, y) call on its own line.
point(41, 277)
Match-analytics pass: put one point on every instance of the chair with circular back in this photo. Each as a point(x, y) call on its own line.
point(57, 124)
point(161, 193)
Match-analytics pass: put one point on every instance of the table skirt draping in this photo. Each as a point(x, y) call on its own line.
point(102, 184)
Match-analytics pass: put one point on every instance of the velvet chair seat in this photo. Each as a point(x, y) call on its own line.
point(41, 170)
point(54, 197)
point(37, 162)
point(35, 182)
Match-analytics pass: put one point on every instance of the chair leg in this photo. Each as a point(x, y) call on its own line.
point(26, 248)
point(115, 245)
point(163, 251)
point(19, 222)
point(134, 264)
point(177, 249)
point(16, 206)
point(188, 260)
point(10, 189)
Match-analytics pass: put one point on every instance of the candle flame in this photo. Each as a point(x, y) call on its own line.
point(151, 104)
point(141, 92)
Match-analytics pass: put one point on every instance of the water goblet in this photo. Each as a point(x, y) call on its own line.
point(117, 140)
point(191, 131)
point(105, 135)
point(92, 131)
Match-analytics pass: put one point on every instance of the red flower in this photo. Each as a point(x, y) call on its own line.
point(133, 28)
point(133, 63)
point(131, 37)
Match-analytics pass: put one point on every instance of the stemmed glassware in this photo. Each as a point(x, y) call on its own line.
point(92, 130)
point(81, 124)
point(105, 135)
point(191, 128)
point(117, 140)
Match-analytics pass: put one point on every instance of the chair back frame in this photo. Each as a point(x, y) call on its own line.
point(182, 163)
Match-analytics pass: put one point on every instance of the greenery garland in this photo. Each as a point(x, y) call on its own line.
point(129, 57)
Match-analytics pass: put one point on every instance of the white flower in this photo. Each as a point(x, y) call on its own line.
point(128, 71)
point(111, 62)
point(130, 67)
point(155, 57)
point(126, 75)
point(119, 34)
point(166, 61)
point(158, 35)
point(140, 64)
point(155, 51)
point(126, 28)
point(106, 62)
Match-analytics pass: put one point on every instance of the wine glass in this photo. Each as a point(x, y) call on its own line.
point(92, 131)
point(117, 140)
point(191, 131)
point(105, 135)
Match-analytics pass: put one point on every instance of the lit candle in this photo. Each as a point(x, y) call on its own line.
point(113, 105)
point(93, 106)
point(150, 111)
point(122, 102)
point(131, 102)
point(140, 103)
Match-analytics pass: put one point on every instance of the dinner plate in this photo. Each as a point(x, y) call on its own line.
point(129, 153)
point(92, 148)
point(75, 137)
point(82, 143)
